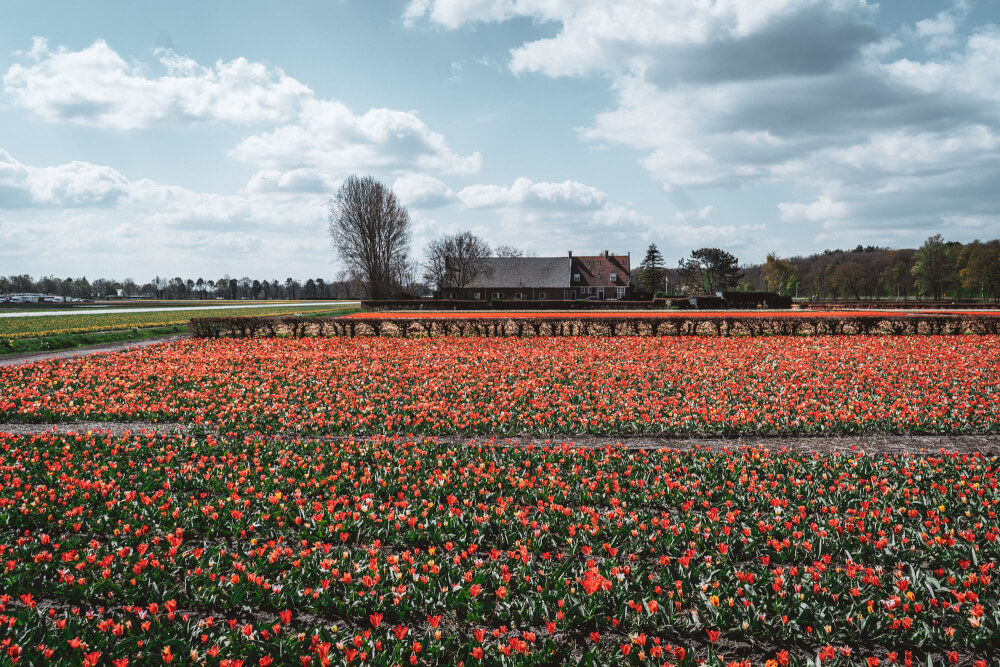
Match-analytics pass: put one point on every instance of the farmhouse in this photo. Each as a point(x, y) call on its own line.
point(522, 278)
point(603, 277)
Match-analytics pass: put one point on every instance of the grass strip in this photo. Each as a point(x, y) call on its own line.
point(72, 341)
point(31, 327)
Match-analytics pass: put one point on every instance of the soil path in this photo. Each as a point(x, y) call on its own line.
point(103, 348)
point(876, 444)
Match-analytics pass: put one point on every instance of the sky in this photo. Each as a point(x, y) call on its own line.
point(200, 139)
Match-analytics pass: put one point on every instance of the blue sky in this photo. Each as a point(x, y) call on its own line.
point(203, 139)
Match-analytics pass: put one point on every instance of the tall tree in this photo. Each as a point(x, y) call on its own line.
point(779, 274)
point(710, 270)
point(933, 266)
point(456, 260)
point(847, 278)
point(370, 231)
point(650, 275)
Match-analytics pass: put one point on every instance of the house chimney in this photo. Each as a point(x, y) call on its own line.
point(570, 253)
point(606, 252)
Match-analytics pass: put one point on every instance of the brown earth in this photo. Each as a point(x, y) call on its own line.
point(986, 444)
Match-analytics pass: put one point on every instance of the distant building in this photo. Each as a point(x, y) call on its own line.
point(605, 276)
point(602, 277)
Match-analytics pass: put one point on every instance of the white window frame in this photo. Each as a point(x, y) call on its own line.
point(519, 296)
point(614, 277)
point(621, 293)
point(476, 295)
point(541, 295)
point(576, 277)
point(498, 295)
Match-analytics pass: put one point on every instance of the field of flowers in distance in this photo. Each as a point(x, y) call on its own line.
point(81, 321)
point(388, 501)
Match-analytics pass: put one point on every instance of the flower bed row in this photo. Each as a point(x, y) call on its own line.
point(629, 385)
point(594, 324)
point(146, 550)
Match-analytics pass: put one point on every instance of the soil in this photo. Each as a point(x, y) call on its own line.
point(920, 445)
point(103, 348)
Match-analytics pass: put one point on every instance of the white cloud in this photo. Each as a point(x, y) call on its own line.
point(72, 185)
point(316, 142)
point(96, 87)
point(805, 94)
point(526, 193)
point(305, 180)
point(939, 32)
point(693, 214)
point(329, 137)
point(822, 209)
point(720, 236)
point(422, 191)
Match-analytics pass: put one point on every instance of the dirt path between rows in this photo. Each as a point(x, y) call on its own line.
point(104, 348)
point(986, 444)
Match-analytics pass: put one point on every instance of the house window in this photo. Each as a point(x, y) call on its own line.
point(497, 295)
point(576, 277)
point(621, 292)
point(614, 277)
point(475, 295)
point(518, 296)
point(541, 295)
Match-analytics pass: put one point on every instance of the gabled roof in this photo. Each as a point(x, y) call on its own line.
point(525, 272)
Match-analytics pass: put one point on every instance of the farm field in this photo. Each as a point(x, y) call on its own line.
point(632, 385)
point(396, 501)
point(81, 321)
point(126, 304)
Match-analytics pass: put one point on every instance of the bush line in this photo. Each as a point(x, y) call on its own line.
point(861, 324)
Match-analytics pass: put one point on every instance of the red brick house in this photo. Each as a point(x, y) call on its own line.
point(605, 276)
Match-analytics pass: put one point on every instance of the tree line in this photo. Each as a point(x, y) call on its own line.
point(937, 270)
point(180, 288)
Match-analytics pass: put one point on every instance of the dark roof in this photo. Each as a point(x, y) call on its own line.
point(525, 272)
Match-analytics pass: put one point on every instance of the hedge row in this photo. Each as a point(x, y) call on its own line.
point(501, 304)
point(682, 325)
point(896, 305)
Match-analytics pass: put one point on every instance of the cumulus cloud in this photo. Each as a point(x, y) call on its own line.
point(72, 185)
point(805, 93)
point(422, 191)
point(97, 87)
point(693, 214)
point(328, 136)
point(822, 209)
point(83, 215)
point(526, 193)
point(315, 141)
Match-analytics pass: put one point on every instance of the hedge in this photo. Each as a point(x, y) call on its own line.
point(502, 304)
point(897, 305)
point(637, 325)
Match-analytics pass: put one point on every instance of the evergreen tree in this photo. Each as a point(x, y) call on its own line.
point(650, 277)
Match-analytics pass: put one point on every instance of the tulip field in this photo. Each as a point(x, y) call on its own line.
point(691, 385)
point(391, 501)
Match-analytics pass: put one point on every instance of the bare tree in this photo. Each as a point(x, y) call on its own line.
point(508, 251)
point(456, 260)
point(370, 231)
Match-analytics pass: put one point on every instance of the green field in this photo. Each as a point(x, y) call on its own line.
point(84, 322)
